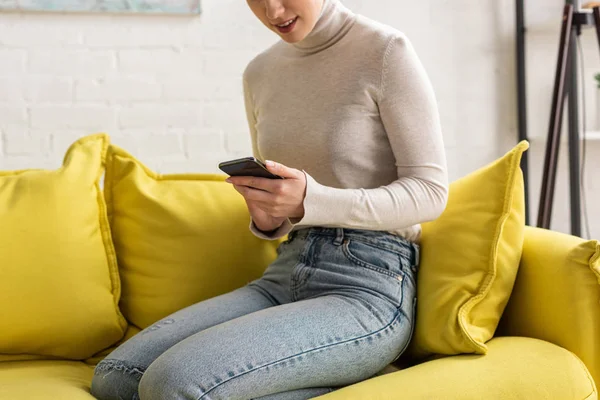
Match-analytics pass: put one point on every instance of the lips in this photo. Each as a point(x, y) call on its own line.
point(287, 26)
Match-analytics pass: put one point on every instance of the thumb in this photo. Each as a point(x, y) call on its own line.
point(280, 169)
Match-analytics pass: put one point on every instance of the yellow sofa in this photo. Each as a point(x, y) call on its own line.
point(547, 345)
point(542, 360)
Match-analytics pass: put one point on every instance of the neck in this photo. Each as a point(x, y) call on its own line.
point(334, 22)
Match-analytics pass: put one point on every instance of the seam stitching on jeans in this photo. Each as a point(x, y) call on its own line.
point(383, 246)
point(396, 317)
point(265, 293)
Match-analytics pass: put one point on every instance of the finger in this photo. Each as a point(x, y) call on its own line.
point(257, 195)
point(265, 184)
point(241, 189)
point(250, 194)
point(282, 170)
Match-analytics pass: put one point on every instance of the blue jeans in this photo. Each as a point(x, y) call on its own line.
point(334, 308)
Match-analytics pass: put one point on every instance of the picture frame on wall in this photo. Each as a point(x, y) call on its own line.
point(177, 7)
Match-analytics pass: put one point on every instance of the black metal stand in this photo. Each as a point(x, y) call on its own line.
point(565, 86)
point(522, 99)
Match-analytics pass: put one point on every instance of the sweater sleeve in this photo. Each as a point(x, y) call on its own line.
point(287, 226)
point(408, 111)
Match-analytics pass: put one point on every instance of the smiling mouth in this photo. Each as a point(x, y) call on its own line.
point(287, 23)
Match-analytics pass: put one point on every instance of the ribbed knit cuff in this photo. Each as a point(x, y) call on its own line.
point(283, 230)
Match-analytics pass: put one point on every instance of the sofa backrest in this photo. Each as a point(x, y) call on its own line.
point(556, 296)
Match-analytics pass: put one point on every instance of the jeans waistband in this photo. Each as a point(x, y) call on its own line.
point(389, 239)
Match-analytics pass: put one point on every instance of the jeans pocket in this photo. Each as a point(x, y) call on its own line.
point(373, 257)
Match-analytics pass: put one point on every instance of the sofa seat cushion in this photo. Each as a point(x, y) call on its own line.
point(42, 380)
point(514, 368)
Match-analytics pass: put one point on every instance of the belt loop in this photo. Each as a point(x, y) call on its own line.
point(339, 236)
point(417, 254)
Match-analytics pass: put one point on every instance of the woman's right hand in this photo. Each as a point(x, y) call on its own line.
point(263, 221)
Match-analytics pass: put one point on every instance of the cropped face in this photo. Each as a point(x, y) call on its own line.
point(292, 20)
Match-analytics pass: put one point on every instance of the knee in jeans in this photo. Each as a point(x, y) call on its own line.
point(165, 379)
point(159, 382)
point(116, 379)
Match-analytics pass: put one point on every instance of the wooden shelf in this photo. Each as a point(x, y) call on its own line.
point(564, 137)
point(592, 135)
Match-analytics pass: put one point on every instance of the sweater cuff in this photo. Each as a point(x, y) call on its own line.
point(283, 230)
point(324, 205)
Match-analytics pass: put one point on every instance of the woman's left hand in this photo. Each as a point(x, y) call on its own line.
point(281, 198)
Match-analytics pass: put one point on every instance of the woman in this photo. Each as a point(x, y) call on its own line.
point(344, 106)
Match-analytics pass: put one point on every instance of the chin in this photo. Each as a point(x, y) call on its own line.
point(292, 38)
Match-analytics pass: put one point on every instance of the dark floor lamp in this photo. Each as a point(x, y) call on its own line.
point(521, 97)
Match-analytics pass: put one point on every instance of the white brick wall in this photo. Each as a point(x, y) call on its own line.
point(168, 89)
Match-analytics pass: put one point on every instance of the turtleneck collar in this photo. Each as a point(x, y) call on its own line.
point(334, 22)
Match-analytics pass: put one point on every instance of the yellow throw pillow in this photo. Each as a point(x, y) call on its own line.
point(556, 294)
point(59, 286)
point(132, 330)
point(180, 239)
point(469, 259)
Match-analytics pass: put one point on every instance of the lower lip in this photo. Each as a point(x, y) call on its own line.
point(288, 28)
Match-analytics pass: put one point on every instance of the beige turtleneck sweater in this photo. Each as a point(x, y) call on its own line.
point(352, 107)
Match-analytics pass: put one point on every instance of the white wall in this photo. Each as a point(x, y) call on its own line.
point(168, 89)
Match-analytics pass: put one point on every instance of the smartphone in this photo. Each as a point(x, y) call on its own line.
point(247, 166)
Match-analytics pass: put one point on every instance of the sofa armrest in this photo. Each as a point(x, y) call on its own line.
point(556, 294)
point(514, 368)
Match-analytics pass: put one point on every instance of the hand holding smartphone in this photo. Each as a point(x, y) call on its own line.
point(247, 166)
point(250, 166)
